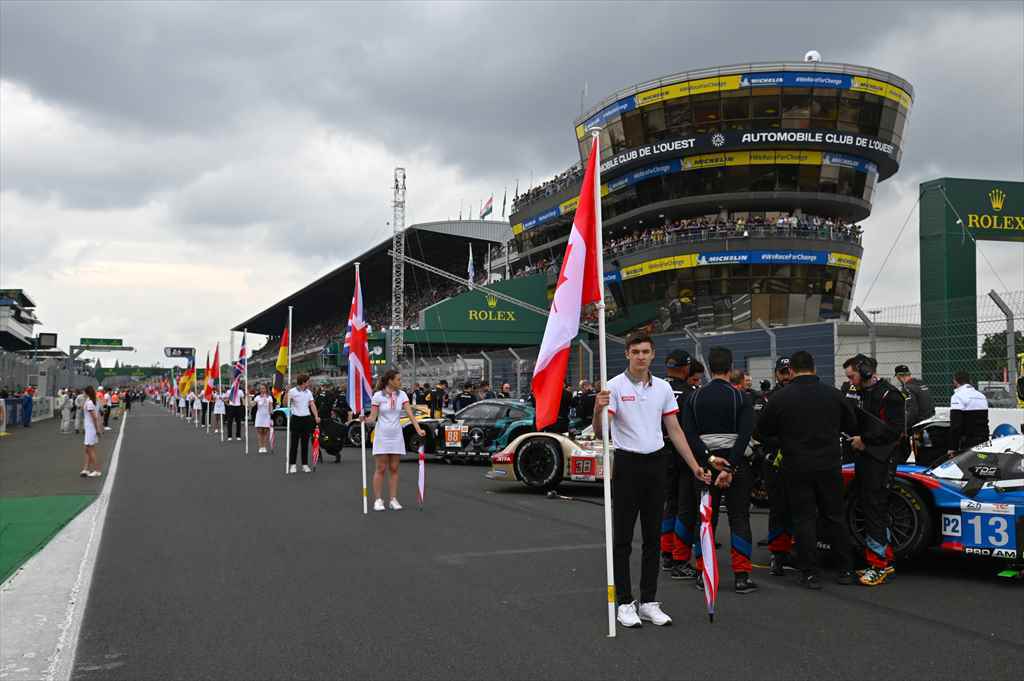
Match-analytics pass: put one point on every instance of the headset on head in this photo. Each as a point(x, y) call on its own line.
point(865, 366)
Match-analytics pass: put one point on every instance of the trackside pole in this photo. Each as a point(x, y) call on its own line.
point(245, 395)
point(287, 387)
point(603, 364)
point(362, 444)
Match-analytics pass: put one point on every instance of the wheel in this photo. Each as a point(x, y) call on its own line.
point(355, 434)
point(910, 520)
point(539, 463)
point(412, 439)
point(280, 420)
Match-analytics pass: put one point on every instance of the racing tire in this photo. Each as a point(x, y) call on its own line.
point(412, 439)
point(539, 464)
point(911, 520)
point(280, 420)
point(355, 434)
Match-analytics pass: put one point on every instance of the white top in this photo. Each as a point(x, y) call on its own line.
point(218, 402)
point(966, 398)
point(299, 401)
point(264, 405)
point(89, 422)
point(387, 436)
point(638, 410)
point(237, 402)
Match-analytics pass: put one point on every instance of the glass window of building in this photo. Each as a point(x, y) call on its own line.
point(617, 136)
point(779, 309)
point(706, 108)
point(679, 117)
point(762, 178)
point(849, 106)
point(654, 120)
point(887, 122)
point(737, 179)
point(633, 129)
point(824, 107)
point(736, 105)
point(787, 177)
point(761, 307)
point(764, 103)
point(796, 102)
point(870, 114)
point(846, 180)
point(808, 179)
point(829, 183)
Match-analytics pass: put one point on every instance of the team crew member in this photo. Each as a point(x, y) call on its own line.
point(300, 403)
point(881, 425)
point(264, 407)
point(677, 369)
point(719, 420)
point(388, 405)
point(806, 419)
point(436, 398)
point(780, 523)
point(685, 525)
point(92, 434)
point(917, 402)
point(968, 415)
point(236, 411)
point(639, 404)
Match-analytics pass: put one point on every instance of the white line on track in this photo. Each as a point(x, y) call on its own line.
point(63, 660)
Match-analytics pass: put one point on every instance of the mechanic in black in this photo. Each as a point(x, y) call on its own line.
point(506, 391)
point(806, 419)
point(968, 415)
point(584, 402)
point(881, 422)
point(918, 402)
point(718, 421)
point(780, 522)
point(464, 398)
point(437, 399)
point(677, 371)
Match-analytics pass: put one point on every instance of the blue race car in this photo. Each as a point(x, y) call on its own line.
point(971, 504)
point(478, 430)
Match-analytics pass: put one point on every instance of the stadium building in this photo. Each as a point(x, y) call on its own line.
point(730, 194)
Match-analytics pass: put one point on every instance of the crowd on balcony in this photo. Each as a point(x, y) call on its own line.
point(558, 183)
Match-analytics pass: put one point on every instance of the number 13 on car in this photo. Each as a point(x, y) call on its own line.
point(985, 528)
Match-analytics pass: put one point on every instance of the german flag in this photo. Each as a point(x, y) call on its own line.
point(187, 378)
point(281, 368)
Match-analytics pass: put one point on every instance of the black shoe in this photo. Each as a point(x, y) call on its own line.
point(776, 568)
point(667, 562)
point(763, 542)
point(811, 582)
point(683, 571)
point(698, 583)
point(743, 584)
point(846, 577)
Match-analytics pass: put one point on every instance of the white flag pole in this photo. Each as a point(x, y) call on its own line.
point(358, 385)
point(287, 387)
point(603, 363)
point(362, 443)
point(245, 395)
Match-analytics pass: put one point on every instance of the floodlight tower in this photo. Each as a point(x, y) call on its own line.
point(398, 271)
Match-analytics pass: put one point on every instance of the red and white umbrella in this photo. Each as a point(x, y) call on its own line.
point(709, 559)
point(422, 481)
point(316, 445)
point(272, 429)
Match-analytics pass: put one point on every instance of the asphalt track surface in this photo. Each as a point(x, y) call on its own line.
point(217, 566)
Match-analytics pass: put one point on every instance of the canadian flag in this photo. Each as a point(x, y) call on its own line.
point(578, 285)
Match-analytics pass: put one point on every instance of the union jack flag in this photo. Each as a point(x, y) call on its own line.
point(239, 370)
point(358, 351)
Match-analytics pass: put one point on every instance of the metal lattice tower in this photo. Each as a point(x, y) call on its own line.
point(398, 271)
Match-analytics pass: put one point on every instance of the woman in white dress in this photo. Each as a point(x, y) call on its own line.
point(264, 408)
point(388, 404)
point(219, 410)
point(93, 427)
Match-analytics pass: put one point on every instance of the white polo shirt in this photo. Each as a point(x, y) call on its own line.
point(638, 409)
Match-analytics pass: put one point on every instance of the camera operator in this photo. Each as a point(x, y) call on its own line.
point(718, 422)
point(881, 424)
point(806, 418)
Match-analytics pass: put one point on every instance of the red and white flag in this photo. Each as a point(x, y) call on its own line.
point(316, 446)
point(709, 559)
point(421, 483)
point(578, 285)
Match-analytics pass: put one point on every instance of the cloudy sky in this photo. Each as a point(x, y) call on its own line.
point(167, 170)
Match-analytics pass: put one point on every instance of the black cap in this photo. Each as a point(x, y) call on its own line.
point(783, 364)
point(902, 369)
point(677, 358)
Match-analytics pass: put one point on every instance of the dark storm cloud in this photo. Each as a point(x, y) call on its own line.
point(489, 88)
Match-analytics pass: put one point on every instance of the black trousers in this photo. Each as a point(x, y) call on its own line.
point(815, 495)
point(668, 517)
point(234, 414)
point(302, 428)
point(638, 489)
point(737, 502)
point(106, 416)
point(874, 479)
point(780, 521)
point(205, 413)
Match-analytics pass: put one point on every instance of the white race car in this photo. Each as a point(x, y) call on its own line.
point(542, 461)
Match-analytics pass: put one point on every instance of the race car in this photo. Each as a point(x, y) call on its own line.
point(542, 461)
point(971, 504)
point(478, 430)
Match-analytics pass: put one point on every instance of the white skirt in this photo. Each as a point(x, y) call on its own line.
point(218, 408)
point(91, 439)
point(388, 441)
point(263, 420)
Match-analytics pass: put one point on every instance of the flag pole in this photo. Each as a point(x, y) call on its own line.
point(245, 395)
point(362, 410)
point(220, 384)
point(603, 364)
point(287, 387)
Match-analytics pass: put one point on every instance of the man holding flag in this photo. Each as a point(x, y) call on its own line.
point(236, 409)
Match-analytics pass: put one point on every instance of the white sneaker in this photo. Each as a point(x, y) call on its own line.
point(291, 469)
point(306, 469)
point(394, 505)
point(84, 473)
point(263, 450)
point(627, 615)
point(378, 505)
point(94, 474)
point(107, 428)
point(652, 612)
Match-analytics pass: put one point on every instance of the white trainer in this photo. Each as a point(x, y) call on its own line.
point(292, 469)
point(652, 612)
point(84, 473)
point(378, 505)
point(94, 474)
point(627, 615)
point(263, 450)
point(306, 469)
point(394, 505)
